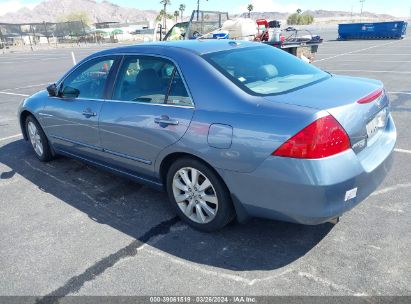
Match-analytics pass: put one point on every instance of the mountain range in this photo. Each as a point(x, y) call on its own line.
point(54, 10)
point(322, 15)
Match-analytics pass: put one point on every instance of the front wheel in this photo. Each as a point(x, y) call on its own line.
point(38, 139)
point(199, 195)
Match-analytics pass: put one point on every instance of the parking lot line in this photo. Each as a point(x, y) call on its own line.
point(74, 284)
point(27, 87)
point(403, 151)
point(29, 59)
point(382, 54)
point(209, 271)
point(10, 137)
point(356, 51)
point(404, 93)
point(392, 188)
point(15, 94)
point(327, 282)
point(379, 61)
point(372, 71)
point(367, 54)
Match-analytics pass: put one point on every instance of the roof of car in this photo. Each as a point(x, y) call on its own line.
point(198, 46)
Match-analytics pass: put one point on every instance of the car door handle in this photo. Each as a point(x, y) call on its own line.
point(89, 113)
point(165, 121)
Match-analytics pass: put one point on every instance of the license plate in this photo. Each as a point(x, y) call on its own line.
point(377, 123)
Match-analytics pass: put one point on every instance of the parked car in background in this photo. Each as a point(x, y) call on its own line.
point(229, 129)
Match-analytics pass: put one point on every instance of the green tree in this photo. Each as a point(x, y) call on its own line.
point(176, 14)
point(250, 8)
point(165, 3)
point(161, 16)
point(182, 8)
point(299, 11)
point(292, 19)
point(76, 16)
point(298, 19)
point(309, 19)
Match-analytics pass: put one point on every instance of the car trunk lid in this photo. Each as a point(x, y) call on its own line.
point(340, 96)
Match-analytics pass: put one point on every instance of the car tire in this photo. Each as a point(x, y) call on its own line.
point(38, 139)
point(199, 195)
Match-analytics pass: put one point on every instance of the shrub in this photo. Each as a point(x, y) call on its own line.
point(297, 19)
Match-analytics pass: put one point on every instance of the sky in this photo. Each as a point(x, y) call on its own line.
point(398, 8)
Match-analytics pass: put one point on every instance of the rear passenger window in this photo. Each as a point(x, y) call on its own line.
point(152, 80)
point(143, 79)
point(178, 94)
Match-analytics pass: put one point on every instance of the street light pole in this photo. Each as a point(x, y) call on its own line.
point(352, 7)
point(198, 8)
point(362, 6)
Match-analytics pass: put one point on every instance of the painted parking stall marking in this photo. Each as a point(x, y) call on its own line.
point(368, 71)
point(14, 94)
point(403, 151)
point(404, 93)
point(27, 86)
point(10, 137)
point(356, 51)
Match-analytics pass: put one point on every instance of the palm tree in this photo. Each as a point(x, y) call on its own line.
point(165, 3)
point(160, 15)
point(176, 14)
point(299, 11)
point(250, 8)
point(182, 9)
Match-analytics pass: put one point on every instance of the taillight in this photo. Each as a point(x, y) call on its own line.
point(371, 97)
point(324, 137)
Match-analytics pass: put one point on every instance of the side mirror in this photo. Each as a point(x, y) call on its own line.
point(70, 92)
point(52, 90)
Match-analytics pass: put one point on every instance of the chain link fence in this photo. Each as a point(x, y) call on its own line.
point(32, 34)
point(26, 36)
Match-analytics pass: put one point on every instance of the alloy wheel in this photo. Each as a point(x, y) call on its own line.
point(35, 138)
point(195, 195)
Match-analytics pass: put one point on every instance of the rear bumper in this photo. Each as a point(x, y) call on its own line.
point(311, 191)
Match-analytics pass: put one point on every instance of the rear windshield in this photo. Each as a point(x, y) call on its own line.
point(265, 70)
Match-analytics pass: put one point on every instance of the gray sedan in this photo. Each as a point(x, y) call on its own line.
point(229, 129)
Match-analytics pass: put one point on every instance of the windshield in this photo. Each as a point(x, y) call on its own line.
point(177, 32)
point(265, 70)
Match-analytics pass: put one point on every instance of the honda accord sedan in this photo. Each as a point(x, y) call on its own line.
point(229, 129)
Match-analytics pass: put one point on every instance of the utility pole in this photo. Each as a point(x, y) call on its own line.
point(198, 8)
point(34, 34)
point(1, 41)
point(352, 7)
point(84, 32)
point(31, 29)
point(362, 6)
point(45, 30)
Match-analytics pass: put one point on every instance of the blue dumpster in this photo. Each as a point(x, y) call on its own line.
point(376, 30)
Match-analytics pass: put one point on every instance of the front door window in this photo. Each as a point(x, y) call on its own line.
point(88, 81)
